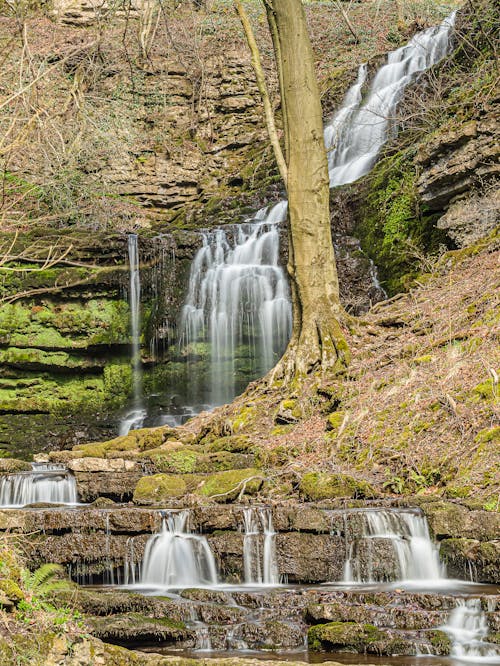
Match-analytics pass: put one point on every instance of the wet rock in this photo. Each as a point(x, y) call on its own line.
point(449, 519)
point(103, 465)
point(131, 628)
point(270, 635)
point(308, 558)
point(104, 603)
point(472, 560)
point(345, 636)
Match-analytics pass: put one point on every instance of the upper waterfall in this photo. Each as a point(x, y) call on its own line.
point(363, 124)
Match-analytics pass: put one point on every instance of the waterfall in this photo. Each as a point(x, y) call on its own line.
point(46, 483)
point(238, 294)
point(362, 125)
point(259, 569)
point(134, 418)
point(467, 627)
point(176, 558)
point(238, 302)
point(408, 534)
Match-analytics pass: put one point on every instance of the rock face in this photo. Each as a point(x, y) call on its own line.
point(310, 542)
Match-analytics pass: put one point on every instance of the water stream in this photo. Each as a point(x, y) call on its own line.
point(135, 416)
point(259, 547)
point(176, 558)
point(407, 534)
point(46, 483)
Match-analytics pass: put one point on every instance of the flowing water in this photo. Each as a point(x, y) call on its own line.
point(467, 627)
point(238, 294)
point(46, 483)
point(238, 302)
point(259, 547)
point(363, 124)
point(407, 534)
point(135, 417)
point(176, 558)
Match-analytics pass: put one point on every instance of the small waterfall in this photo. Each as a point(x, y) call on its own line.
point(238, 302)
point(408, 534)
point(362, 125)
point(259, 569)
point(467, 627)
point(46, 483)
point(135, 418)
point(176, 558)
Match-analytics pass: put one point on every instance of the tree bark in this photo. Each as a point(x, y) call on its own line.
point(317, 340)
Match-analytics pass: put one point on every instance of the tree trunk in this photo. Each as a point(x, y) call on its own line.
point(317, 340)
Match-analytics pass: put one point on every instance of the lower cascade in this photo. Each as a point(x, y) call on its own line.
point(467, 627)
point(408, 535)
point(259, 568)
point(177, 558)
point(46, 483)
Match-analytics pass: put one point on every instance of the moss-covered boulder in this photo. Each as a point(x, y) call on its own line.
point(316, 486)
point(347, 636)
point(12, 465)
point(159, 488)
point(227, 486)
point(232, 443)
point(188, 460)
point(134, 627)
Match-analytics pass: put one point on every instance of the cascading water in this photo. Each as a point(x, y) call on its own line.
point(362, 125)
point(238, 302)
point(135, 417)
point(408, 534)
point(259, 569)
point(238, 294)
point(467, 627)
point(175, 558)
point(46, 483)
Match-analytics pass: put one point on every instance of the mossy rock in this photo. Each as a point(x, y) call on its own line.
point(349, 636)
point(232, 443)
point(13, 465)
point(334, 421)
point(440, 641)
point(137, 627)
point(321, 485)
point(227, 486)
point(188, 460)
point(159, 488)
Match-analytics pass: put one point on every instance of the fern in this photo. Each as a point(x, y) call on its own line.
point(45, 580)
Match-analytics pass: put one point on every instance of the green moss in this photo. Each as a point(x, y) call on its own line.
point(488, 435)
point(321, 485)
point(485, 391)
point(334, 421)
point(344, 636)
point(427, 358)
point(233, 443)
point(244, 418)
point(159, 488)
point(227, 486)
point(440, 641)
point(391, 225)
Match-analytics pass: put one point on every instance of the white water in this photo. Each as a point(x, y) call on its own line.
point(135, 417)
point(407, 532)
point(259, 547)
point(467, 627)
point(46, 483)
point(363, 124)
point(175, 558)
point(238, 294)
point(238, 302)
